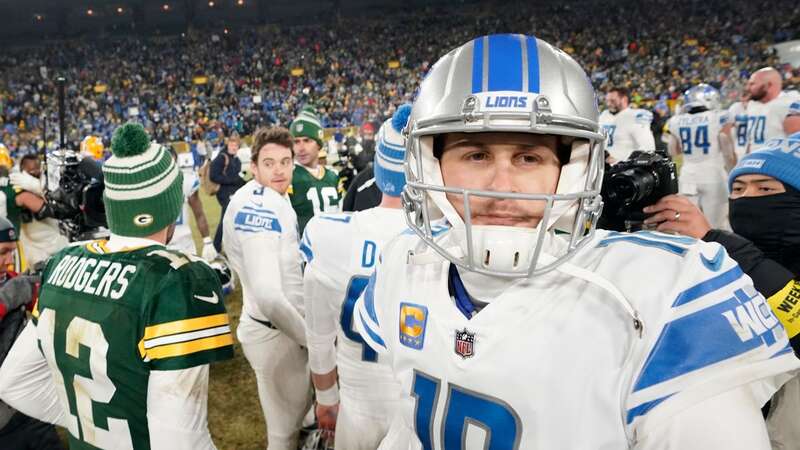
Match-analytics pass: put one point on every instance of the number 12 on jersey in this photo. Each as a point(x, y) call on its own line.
point(463, 408)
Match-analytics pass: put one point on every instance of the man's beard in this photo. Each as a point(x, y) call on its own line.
point(761, 93)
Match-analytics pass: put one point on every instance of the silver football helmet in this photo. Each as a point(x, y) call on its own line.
point(702, 95)
point(506, 83)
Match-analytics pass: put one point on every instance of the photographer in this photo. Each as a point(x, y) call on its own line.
point(764, 213)
point(39, 234)
point(17, 431)
point(225, 170)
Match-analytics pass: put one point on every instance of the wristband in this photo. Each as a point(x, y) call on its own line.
point(328, 397)
point(207, 240)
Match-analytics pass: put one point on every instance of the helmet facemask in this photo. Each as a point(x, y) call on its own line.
point(505, 250)
point(506, 84)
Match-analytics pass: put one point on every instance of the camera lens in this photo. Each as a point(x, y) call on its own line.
point(631, 186)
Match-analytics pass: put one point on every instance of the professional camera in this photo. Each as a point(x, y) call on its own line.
point(630, 185)
point(75, 195)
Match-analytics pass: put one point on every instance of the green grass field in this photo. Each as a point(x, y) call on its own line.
point(234, 413)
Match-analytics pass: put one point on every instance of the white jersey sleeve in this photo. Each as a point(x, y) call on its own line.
point(368, 315)
point(323, 295)
point(690, 429)
point(26, 383)
point(640, 131)
point(177, 413)
point(717, 334)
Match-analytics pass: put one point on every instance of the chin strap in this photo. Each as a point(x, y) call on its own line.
point(591, 277)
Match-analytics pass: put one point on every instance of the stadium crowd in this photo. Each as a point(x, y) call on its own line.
point(309, 323)
point(204, 84)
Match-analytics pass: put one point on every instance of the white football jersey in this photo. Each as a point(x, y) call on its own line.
point(698, 135)
point(341, 251)
point(257, 215)
point(737, 115)
point(765, 120)
point(626, 131)
point(633, 329)
point(182, 238)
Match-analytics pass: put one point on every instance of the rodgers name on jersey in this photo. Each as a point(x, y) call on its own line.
point(105, 320)
point(601, 344)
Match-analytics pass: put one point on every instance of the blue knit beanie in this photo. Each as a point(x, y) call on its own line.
point(390, 153)
point(778, 158)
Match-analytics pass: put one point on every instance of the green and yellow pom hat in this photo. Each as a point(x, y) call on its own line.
point(143, 184)
point(307, 124)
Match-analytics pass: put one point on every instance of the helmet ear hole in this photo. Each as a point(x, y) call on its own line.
point(516, 260)
point(487, 258)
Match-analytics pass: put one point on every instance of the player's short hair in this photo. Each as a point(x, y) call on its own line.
point(271, 135)
point(563, 150)
point(28, 157)
point(621, 91)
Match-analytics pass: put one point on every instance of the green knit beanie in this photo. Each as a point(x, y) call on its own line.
point(307, 124)
point(143, 191)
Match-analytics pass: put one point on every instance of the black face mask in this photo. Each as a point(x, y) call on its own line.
point(772, 223)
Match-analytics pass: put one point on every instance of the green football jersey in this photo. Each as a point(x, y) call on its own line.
point(105, 320)
point(8, 203)
point(311, 195)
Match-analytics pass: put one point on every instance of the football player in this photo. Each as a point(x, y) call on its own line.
point(314, 188)
point(520, 325)
point(260, 239)
point(707, 152)
point(127, 328)
point(182, 239)
point(341, 251)
point(771, 112)
point(736, 125)
point(627, 129)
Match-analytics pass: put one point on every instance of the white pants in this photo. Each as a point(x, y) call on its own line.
point(362, 425)
point(711, 198)
point(284, 381)
point(183, 243)
point(783, 423)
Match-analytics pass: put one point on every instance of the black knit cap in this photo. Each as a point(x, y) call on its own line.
point(7, 231)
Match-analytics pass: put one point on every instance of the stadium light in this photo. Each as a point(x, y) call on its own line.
point(210, 4)
point(225, 31)
point(89, 12)
point(120, 10)
point(165, 7)
point(240, 2)
point(39, 17)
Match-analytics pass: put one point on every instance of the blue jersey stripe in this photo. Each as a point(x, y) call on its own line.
point(505, 63)
point(257, 210)
point(708, 286)
point(672, 248)
point(369, 299)
point(693, 342)
point(783, 351)
point(309, 255)
point(664, 237)
point(343, 219)
point(644, 408)
point(372, 335)
point(533, 64)
point(477, 65)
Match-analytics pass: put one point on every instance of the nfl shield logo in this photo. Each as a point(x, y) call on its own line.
point(465, 344)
